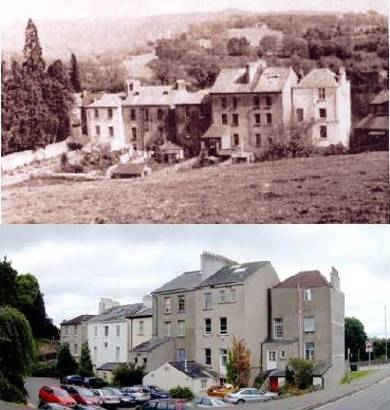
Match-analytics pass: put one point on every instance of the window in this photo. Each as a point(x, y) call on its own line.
point(136, 360)
point(167, 305)
point(224, 119)
point(75, 349)
point(111, 131)
point(95, 330)
point(235, 103)
point(110, 113)
point(187, 113)
point(257, 118)
point(269, 118)
point(256, 100)
point(308, 324)
point(117, 353)
point(134, 133)
point(145, 360)
point(105, 345)
point(161, 131)
point(236, 140)
point(268, 101)
point(160, 114)
point(168, 329)
point(223, 357)
point(98, 130)
point(133, 115)
point(300, 114)
point(307, 294)
point(322, 113)
point(118, 330)
point(96, 113)
point(66, 330)
point(181, 355)
point(272, 356)
point(207, 356)
point(141, 328)
point(208, 301)
point(181, 328)
point(146, 114)
point(223, 326)
point(236, 120)
point(270, 141)
point(258, 140)
point(233, 295)
point(105, 330)
point(224, 102)
point(75, 329)
point(278, 328)
point(95, 352)
point(203, 385)
point(181, 304)
point(321, 93)
point(222, 298)
point(309, 351)
point(282, 355)
point(207, 326)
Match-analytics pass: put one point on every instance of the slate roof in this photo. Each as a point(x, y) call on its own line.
point(319, 78)
point(107, 100)
point(193, 369)
point(185, 281)
point(381, 98)
point(233, 273)
point(119, 312)
point(151, 344)
point(372, 122)
point(143, 313)
point(110, 366)
point(232, 80)
point(170, 146)
point(306, 279)
point(77, 320)
point(216, 131)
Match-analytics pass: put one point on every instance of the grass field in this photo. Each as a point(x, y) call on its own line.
point(336, 189)
point(350, 377)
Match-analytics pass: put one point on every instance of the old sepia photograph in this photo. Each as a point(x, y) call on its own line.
point(235, 111)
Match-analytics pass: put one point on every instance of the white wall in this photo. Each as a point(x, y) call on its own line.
point(139, 337)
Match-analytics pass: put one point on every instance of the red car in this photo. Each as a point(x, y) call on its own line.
point(83, 395)
point(54, 394)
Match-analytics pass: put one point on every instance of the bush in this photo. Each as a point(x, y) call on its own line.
point(181, 393)
point(303, 372)
point(74, 146)
point(44, 369)
point(259, 380)
point(335, 149)
point(128, 375)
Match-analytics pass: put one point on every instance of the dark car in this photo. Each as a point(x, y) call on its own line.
point(82, 395)
point(94, 382)
point(165, 404)
point(74, 379)
point(157, 393)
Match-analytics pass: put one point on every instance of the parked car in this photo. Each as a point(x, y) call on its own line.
point(83, 395)
point(54, 394)
point(140, 393)
point(52, 406)
point(220, 391)
point(126, 400)
point(87, 407)
point(94, 382)
point(109, 400)
point(248, 395)
point(165, 404)
point(209, 402)
point(157, 393)
point(74, 379)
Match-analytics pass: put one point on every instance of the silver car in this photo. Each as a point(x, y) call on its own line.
point(248, 395)
point(139, 393)
point(209, 402)
point(107, 397)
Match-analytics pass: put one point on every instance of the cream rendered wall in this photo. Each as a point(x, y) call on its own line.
point(108, 354)
point(134, 329)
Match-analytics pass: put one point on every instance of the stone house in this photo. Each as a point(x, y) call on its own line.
point(306, 320)
point(74, 332)
point(248, 104)
point(372, 132)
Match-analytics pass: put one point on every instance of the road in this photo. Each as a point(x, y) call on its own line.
point(376, 397)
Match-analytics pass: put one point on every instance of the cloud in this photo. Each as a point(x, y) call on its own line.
point(78, 264)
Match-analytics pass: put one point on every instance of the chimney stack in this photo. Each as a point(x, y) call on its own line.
point(211, 263)
point(147, 300)
point(335, 279)
point(342, 75)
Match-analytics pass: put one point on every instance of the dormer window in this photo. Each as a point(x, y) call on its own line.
point(321, 93)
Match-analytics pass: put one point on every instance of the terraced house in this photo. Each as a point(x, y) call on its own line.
point(197, 314)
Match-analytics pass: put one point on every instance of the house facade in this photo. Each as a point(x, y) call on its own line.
point(74, 332)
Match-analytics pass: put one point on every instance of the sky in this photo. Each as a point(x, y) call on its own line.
point(71, 9)
point(78, 264)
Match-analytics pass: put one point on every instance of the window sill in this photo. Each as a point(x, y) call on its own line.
point(180, 336)
point(207, 334)
point(223, 334)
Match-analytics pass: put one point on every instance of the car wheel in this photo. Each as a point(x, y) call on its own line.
point(241, 401)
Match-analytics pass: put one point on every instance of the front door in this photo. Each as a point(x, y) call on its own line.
point(274, 384)
point(214, 146)
point(271, 360)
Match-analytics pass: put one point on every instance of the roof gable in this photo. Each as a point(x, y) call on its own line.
point(185, 281)
point(193, 369)
point(118, 313)
point(77, 320)
point(319, 78)
point(305, 280)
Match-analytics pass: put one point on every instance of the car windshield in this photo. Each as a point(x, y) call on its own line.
point(60, 392)
point(85, 392)
point(113, 391)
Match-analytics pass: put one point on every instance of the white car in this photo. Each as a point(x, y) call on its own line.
point(108, 398)
point(249, 395)
point(209, 402)
point(140, 393)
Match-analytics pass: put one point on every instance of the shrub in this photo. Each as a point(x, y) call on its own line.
point(303, 372)
point(44, 369)
point(128, 375)
point(259, 380)
point(181, 393)
point(74, 146)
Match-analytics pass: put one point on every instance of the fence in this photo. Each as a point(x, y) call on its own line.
point(19, 159)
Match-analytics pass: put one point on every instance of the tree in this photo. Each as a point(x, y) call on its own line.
point(355, 337)
point(128, 374)
point(85, 366)
point(302, 371)
point(66, 364)
point(238, 46)
point(238, 363)
point(33, 61)
point(16, 354)
point(75, 74)
point(268, 44)
point(8, 288)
